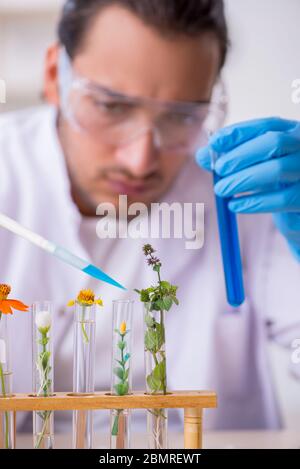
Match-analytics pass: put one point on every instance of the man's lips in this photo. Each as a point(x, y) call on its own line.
point(128, 187)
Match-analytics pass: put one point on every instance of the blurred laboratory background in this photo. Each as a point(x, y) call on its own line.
point(262, 65)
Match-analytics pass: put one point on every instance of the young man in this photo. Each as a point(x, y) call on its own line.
point(128, 85)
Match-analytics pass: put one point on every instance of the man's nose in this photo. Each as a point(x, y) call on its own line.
point(140, 156)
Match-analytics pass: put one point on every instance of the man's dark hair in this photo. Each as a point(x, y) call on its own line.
point(187, 17)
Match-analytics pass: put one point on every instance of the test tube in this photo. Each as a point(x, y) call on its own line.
point(230, 246)
point(42, 327)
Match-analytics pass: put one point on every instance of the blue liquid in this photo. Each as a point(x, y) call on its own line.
point(230, 247)
point(98, 274)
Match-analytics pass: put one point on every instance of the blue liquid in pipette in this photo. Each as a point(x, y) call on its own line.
point(100, 275)
point(230, 247)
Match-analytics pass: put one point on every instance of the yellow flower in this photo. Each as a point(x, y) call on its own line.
point(123, 328)
point(86, 298)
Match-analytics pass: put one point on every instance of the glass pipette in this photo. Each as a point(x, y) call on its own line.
point(57, 251)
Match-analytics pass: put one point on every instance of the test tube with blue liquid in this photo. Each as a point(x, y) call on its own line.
point(230, 246)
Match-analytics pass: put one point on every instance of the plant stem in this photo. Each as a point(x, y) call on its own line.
point(154, 358)
point(122, 351)
point(42, 434)
point(44, 374)
point(163, 331)
point(6, 413)
point(4, 395)
point(163, 355)
point(115, 428)
point(45, 387)
point(85, 336)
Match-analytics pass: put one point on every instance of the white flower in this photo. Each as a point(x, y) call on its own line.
point(43, 321)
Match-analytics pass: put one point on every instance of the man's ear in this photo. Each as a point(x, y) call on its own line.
point(51, 87)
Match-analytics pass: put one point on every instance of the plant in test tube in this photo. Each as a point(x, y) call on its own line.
point(157, 300)
point(7, 432)
point(85, 299)
point(121, 372)
point(43, 372)
point(84, 363)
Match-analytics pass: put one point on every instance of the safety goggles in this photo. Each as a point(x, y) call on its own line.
point(116, 119)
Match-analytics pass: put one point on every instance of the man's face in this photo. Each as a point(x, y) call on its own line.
point(121, 53)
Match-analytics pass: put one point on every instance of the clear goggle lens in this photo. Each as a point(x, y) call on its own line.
point(118, 122)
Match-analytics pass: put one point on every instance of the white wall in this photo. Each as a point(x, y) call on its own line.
point(27, 27)
point(263, 62)
point(265, 57)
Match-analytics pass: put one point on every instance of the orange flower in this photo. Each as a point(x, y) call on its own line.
point(6, 305)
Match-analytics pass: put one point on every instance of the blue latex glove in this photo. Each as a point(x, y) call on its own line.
point(260, 157)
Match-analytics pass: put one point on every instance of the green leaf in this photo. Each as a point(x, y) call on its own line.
point(165, 284)
point(121, 389)
point(160, 332)
point(126, 374)
point(151, 341)
point(121, 344)
point(154, 338)
point(119, 372)
point(157, 305)
point(157, 267)
point(43, 341)
point(120, 362)
point(149, 320)
point(160, 304)
point(159, 372)
point(153, 384)
point(145, 296)
point(167, 301)
point(157, 378)
point(125, 388)
point(151, 306)
point(45, 359)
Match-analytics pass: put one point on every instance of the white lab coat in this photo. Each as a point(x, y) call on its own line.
point(208, 345)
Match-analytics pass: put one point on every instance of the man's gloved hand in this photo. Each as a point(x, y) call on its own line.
point(262, 158)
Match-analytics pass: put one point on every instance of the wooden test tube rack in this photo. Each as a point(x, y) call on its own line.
point(193, 403)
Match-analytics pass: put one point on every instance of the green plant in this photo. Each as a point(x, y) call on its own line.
point(122, 372)
point(43, 364)
point(160, 298)
point(157, 299)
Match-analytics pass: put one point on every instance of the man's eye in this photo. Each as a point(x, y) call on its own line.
point(113, 108)
point(180, 118)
